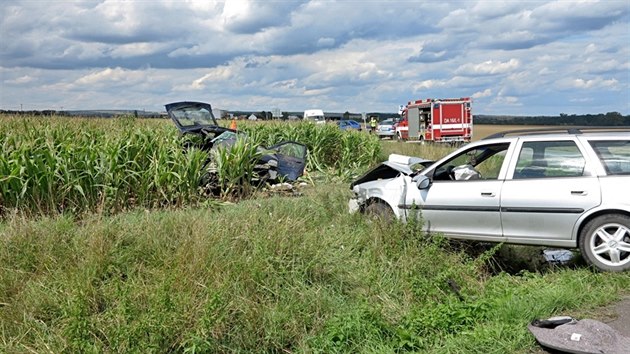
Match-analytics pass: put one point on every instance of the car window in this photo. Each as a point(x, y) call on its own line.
point(291, 149)
point(188, 116)
point(540, 159)
point(614, 154)
point(481, 162)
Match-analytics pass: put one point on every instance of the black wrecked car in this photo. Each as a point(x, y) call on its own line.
point(285, 161)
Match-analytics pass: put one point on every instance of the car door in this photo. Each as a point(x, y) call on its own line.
point(549, 186)
point(291, 159)
point(463, 206)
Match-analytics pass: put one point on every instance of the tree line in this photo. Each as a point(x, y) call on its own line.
point(601, 119)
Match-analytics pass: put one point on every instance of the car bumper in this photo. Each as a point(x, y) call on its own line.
point(353, 206)
point(386, 133)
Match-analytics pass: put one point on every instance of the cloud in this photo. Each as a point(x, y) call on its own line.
point(426, 56)
point(249, 17)
point(25, 79)
point(488, 67)
point(110, 76)
point(428, 84)
point(481, 94)
point(594, 83)
point(507, 100)
point(512, 57)
point(326, 42)
point(219, 74)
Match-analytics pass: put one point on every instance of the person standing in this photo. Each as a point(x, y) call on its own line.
point(373, 124)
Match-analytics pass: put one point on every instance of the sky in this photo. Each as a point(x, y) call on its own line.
point(511, 57)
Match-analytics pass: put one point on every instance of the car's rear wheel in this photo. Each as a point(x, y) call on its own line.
point(380, 212)
point(605, 242)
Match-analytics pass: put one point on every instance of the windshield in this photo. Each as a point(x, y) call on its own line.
point(188, 114)
point(316, 118)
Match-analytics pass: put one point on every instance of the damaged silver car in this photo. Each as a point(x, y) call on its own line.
point(564, 188)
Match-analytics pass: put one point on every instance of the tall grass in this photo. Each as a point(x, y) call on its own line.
point(57, 167)
point(236, 167)
point(52, 165)
point(272, 275)
point(328, 146)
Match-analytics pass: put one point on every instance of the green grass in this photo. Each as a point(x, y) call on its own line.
point(71, 165)
point(52, 166)
point(278, 275)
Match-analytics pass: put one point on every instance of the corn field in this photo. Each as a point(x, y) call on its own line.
point(329, 147)
point(56, 165)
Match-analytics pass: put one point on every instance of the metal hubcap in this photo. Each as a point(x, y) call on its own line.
point(610, 244)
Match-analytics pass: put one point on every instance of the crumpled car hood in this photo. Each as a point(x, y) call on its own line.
point(391, 168)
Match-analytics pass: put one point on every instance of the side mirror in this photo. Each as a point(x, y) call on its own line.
point(422, 181)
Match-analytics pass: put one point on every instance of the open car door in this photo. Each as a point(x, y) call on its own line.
point(291, 159)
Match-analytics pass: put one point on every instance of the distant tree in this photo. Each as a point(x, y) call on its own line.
point(346, 115)
point(614, 118)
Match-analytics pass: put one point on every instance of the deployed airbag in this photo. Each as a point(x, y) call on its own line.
point(583, 336)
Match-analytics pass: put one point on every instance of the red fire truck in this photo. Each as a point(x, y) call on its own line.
point(439, 120)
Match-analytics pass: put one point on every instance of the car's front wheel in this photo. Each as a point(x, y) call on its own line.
point(380, 211)
point(605, 242)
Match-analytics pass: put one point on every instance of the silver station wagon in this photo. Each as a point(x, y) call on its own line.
point(562, 188)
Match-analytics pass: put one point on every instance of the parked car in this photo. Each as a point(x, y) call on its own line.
point(286, 159)
point(349, 125)
point(563, 189)
point(386, 129)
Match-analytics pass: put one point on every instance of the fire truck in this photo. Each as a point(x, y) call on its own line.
point(439, 120)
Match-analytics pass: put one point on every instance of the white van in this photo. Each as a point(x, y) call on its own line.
point(315, 116)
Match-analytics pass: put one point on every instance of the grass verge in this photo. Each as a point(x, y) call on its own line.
point(273, 275)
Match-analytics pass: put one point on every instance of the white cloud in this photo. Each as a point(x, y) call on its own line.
point(594, 83)
point(220, 74)
point(488, 67)
point(325, 42)
point(546, 71)
point(111, 76)
point(427, 85)
point(514, 57)
point(25, 79)
point(481, 94)
point(507, 100)
point(136, 49)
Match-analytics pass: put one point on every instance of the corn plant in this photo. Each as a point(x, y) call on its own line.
point(328, 147)
point(59, 164)
point(59, 167)
point(235, 167)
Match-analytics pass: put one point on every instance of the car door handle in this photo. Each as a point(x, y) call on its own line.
point(579, 193)
point(487, 194)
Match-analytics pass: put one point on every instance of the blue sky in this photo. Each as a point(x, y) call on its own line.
point(512, 57)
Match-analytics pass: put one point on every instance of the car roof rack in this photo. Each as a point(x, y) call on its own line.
point(558, 130)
